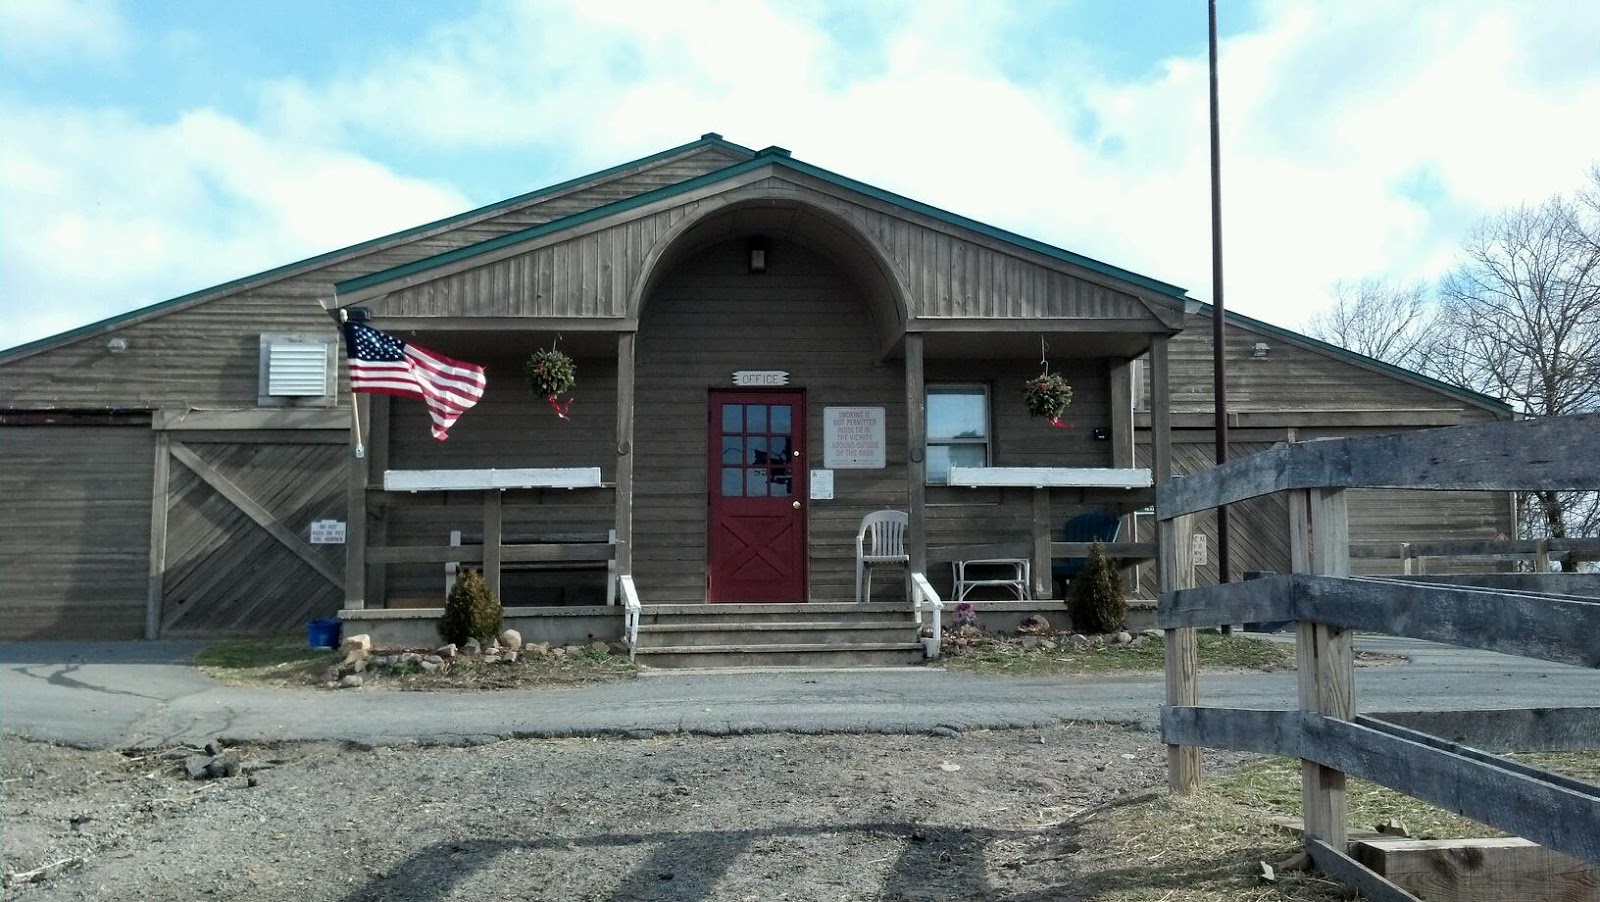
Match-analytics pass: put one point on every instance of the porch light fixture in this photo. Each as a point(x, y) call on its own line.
point(1260, 350)
point(758, 255)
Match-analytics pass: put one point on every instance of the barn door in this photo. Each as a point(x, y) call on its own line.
point(756, 517)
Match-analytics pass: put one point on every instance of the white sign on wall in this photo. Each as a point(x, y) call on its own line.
point(821, 485)
point(327, 532)
point(853, 438)
point(759, 378)
point(1198, 550)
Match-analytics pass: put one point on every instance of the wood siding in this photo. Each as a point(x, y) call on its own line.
point(227, 574)
point(206, 355)
point(74, 531)
point(945, 272)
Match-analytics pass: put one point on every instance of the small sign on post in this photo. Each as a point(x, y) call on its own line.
point(327, 532)
point(1197, 549)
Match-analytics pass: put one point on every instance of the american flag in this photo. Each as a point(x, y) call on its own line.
point(380, 362)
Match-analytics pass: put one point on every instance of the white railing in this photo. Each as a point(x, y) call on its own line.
point(922, 594)
point(630, 613)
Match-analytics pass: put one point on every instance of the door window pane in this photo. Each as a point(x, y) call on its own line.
point(755, 484)
point(732, 449)
point(756, 418)
point(758, 450)
point(780, 419)
point(733, 418)
point(732, 482)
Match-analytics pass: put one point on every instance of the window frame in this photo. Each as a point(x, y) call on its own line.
point(930, 441)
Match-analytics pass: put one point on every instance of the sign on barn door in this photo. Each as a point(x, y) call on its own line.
point(756, 510)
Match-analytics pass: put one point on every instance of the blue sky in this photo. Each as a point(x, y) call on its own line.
point(152, 149)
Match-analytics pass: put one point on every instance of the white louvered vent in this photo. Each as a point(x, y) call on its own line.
point(297, 369)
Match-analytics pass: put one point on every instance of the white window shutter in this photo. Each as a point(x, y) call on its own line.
point(297, 369)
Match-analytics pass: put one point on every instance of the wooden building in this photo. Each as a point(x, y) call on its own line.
point(767, 352)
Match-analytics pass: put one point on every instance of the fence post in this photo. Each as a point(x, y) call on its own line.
point(1319, 543)
point(1183, 688)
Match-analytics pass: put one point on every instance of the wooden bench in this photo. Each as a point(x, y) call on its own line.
point(547, 551)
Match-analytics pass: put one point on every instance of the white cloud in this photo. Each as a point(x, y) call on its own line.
point(1360, 139)
point(106, 213)
point(61, 31)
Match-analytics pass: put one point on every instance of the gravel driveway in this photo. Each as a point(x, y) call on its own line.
point(671, 817)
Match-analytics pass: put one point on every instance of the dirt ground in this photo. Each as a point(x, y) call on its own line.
point(669, 817)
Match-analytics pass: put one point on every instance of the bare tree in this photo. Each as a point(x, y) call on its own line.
point(1384, 320)
point(1519, 319)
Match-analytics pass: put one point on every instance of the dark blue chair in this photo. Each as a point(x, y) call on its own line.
point(1095, 526)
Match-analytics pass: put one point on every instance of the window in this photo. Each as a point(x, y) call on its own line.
point(958, 429)
point(297, 369)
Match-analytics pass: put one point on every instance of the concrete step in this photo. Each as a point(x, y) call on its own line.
point(866, 654)
point(773, 613)
point(809, 632)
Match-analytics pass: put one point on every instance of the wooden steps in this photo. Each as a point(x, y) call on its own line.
point(711, 636)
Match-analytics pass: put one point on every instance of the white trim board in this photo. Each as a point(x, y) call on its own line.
point(465, 480)
point(1052, 477)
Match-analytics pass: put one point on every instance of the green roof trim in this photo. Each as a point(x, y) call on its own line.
point(1334, 350)
point(772, 156)
point(711, 139)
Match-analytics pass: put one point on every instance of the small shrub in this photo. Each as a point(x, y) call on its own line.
point(1096, 601)
point(472, 611)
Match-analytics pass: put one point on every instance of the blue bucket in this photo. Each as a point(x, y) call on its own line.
point(323, 633)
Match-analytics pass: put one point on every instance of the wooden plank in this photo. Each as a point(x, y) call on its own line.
point(1041, 544)
point(1508, 730)
point(379, 446)
point(1319, 542)
point(1253, 601)
point(1236, 729)
point(184, 420)
point(359, 476)
point(624, 477)
point(1125, 551)
point(1160, 414)
point(158, 536)
point(491, 478)
point(1547, 454)
point(263, 518)
point(1120, 376)
point(1182, 651)
point(1475, 754)
point(1481, 870)
point(492, 538)
point(1340, 866)
point(917, 465)
point(1498, 793)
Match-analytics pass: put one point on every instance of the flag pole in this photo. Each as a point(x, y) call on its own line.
point(355, 404)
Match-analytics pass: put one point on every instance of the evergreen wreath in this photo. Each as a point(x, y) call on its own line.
point(1048, 395)
point(552, 375)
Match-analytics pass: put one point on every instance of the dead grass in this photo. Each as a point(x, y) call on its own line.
point(1011, 657)
point(288, 664)
point(277, 663)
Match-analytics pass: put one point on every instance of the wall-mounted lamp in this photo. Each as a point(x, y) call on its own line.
point(758, 255)
point(1101, 433)
point(1260, 349)
point(117, 345)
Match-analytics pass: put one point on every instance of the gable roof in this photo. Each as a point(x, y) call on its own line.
point(150, 311)
point(1317, 345)
point(770, 156)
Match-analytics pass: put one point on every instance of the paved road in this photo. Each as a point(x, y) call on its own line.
point(147, 694)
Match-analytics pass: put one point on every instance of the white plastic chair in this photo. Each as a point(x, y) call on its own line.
point(881, 540)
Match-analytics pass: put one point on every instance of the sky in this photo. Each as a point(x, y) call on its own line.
point(148, 150)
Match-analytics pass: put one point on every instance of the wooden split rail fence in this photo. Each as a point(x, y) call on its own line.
point(1325, 732)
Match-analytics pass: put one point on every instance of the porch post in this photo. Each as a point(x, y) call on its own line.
point(1122, 443)
point(492, 539)
point(1177, 572)
point(916, 449)
point(355, 548)
point(624, 493)
point(377, 462)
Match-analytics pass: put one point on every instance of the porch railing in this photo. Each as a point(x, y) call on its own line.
point(631, 609)
point(922, 594)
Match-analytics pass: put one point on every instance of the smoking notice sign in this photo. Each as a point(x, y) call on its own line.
point(853, 438)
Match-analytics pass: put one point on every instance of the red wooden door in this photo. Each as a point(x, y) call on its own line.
point(756, 515)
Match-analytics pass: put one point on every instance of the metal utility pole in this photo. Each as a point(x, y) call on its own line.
point(1219, 367)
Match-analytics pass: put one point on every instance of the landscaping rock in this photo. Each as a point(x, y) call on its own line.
point(446, 651)
point(510, 657)
point(640, 734)
point(358, 667)
point(558, 652)
point(410, 657)
point(599, 646)
point(510, 639)
point(352, 681)
point(430, 666)
point(195, 766)
point(360, 641)
point(222, 766)
point(944, 732)
point(492, 647)
point(213, 747)
point(491, 658)
point(433, 659)
point(471, 647)
point(1123, 638)
point(571, 649)
point(330, 675)
point(540, 648)
point(1152, 634)
point(353, 656)
point(1034, 623)
point(1080, 642)
point(1029, 643)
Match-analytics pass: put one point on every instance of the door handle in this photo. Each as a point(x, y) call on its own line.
point(797, 505)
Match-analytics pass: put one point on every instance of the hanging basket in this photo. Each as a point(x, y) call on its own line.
point(1047, 395)
point(552, 375)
